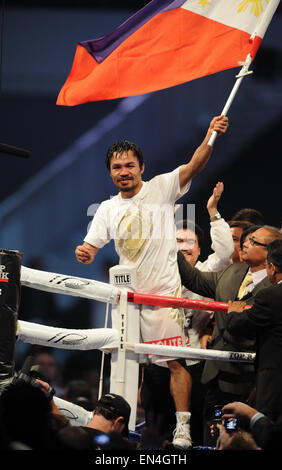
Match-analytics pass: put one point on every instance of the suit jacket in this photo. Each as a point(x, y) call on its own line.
point(232, 377)
point(267, 433)
point(264, 320)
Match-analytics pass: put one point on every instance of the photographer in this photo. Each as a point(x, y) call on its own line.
point(231, 432)
point(26, 413)
point(234, 439)
point(267, 434)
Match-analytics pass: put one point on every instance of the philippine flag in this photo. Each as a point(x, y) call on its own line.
point(166, 43)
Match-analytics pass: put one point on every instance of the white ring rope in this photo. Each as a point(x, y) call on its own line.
point(191, 353)
point(69, 285)
point(100, 338)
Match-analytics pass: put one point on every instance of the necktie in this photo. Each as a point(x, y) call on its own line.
point(246, 281)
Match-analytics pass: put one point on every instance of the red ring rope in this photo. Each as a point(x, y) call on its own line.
point(163, 301)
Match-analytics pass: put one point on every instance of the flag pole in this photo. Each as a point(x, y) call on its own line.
point(260, 32)
point(243, 72)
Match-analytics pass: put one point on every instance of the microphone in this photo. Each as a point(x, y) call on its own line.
point(16, 151)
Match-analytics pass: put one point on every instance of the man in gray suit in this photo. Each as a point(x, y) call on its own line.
point(264, 320)
point(230, 381)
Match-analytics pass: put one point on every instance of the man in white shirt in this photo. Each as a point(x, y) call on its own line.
point(190, 237)
point(198, 327)
point(140, 219)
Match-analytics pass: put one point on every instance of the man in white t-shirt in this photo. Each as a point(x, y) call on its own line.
point(140, 219)
point(190, 240)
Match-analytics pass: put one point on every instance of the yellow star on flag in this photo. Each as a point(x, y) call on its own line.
point(204, 3)
point(257, 6)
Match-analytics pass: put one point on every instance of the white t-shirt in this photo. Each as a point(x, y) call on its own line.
point(144, 232)
point(223, 246)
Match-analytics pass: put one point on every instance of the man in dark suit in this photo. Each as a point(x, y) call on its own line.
point(264, 320)
point(230, 381)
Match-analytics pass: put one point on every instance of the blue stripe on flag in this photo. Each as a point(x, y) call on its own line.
point(101, 48)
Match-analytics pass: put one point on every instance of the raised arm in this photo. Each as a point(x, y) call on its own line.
point(220, 233)
point(202, 153)
point(213, 201)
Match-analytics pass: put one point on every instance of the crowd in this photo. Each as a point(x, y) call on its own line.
point(186, 403)
point(233, 406)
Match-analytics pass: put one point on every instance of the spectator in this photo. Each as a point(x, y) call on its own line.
point(235, 440)
point(237, 228)
point(253, 216)
point(85, 366)
point(225, 380)
point(79, 392)
point(26, 414)
point(45, 358)
point(247, 231)
point(267, 434)
point(199, 323)
point(264, 320)
point(111, 415)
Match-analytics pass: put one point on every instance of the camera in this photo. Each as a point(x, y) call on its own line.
point(217, 413)
point(231, 424)
point(112, 441)
point(29, 373)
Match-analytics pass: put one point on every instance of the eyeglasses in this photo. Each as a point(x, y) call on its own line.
point(255, 242)
point(188, 241)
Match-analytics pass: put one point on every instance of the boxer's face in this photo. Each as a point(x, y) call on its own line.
point(126, 173)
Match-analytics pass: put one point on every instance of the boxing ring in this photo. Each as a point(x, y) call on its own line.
point(123, 339)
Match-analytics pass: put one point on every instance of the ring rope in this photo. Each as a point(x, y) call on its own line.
point(103, 292)
point(106, 339)
point(191, 353)
point(96, 338)
point(165, 301)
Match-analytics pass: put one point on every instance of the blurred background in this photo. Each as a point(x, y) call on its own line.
point(48, 200)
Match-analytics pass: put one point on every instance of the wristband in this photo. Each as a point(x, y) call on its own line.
point(215, 217)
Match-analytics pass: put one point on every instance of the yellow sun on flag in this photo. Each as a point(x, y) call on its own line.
point(256, 6)
point(204, 3)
